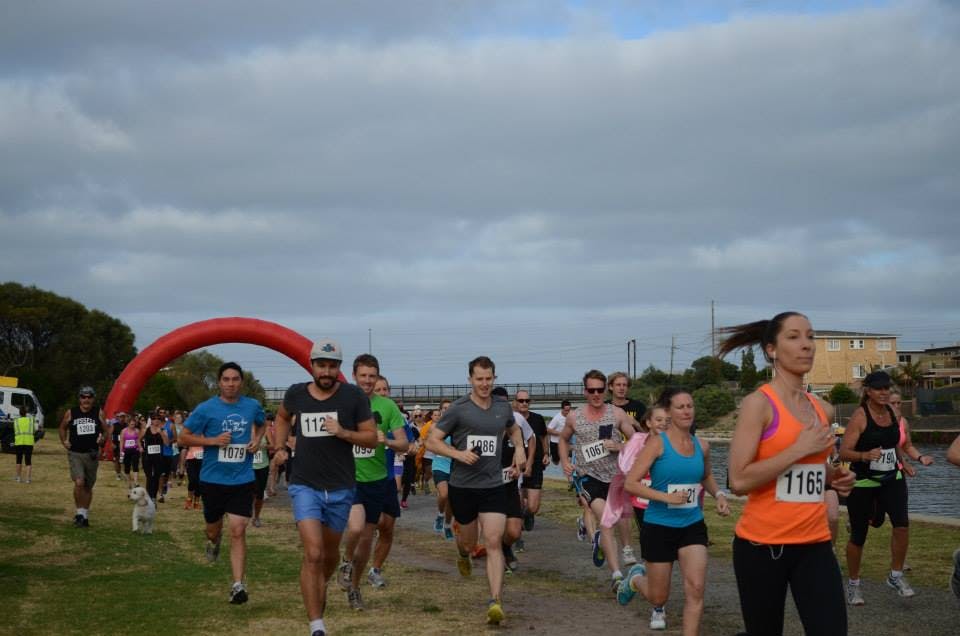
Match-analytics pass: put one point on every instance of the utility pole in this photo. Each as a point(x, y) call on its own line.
point(634, 341)
point(673, 347)
point(713, 331)
point(370, 341)
point(628, 357)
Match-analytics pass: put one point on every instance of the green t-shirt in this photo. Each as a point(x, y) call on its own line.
point(260, 458)
point(371, 463)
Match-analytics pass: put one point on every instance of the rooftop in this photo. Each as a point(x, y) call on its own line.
point(852, 334)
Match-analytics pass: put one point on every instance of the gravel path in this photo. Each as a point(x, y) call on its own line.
point(554, 552)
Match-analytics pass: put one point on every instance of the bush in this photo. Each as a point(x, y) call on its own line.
point(842, 394)
point(712, 402)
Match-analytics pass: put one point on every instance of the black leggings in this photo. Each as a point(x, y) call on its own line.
point(131, 460)
point(193, 475)
point(409, 475)
point(864, 504)
point(24, 454)
point(763, 573)
point(153, 468)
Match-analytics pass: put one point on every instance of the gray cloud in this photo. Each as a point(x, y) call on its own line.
point(490, 190)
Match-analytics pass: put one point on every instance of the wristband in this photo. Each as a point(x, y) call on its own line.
point(721, 492)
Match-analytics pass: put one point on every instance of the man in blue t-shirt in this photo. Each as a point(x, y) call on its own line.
point(233, 425)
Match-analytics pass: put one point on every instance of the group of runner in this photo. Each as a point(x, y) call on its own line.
point(341, 445)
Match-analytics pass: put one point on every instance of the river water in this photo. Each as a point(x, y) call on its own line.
point(934, 491)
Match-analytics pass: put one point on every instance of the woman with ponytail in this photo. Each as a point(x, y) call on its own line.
point(779, 459)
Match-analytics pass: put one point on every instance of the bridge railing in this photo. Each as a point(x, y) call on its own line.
point(430, 393)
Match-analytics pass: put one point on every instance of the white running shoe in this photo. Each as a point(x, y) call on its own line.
point(345, 575)
point(628, 558)
point(854, 597)
point(658, 618)
point(900, 585)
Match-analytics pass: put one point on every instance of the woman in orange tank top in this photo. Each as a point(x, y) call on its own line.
point(778, 457)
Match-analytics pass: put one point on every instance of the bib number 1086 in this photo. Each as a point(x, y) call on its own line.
point(802, 483)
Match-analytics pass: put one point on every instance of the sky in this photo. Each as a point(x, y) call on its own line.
point(535, 181)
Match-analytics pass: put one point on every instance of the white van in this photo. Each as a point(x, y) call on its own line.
point(14, 402)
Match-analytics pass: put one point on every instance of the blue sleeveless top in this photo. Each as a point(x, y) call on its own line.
point(672, 471)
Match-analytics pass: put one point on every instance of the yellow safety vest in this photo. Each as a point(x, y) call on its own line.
point(23, 431)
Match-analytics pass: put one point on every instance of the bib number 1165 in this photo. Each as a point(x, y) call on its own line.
point(802, 483)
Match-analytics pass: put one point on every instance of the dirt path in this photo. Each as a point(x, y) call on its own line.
point(579, 601)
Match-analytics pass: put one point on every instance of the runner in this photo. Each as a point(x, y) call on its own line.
point(153, 440)
point(373, 489)
point(514, 526)
point(229, 427)
point(332, 418)
point(673, 528)
point(778, 457)
point(475, 424)
point(532, 481)
point(391, 507)
point(82, 432)
point(619, 384)
point(117, 424)
point(554, 427)
point(193, 464)
point(261, 471)
point(953, 456)
point(441, 478)
point(169, 453)
point(596, 451)
point(870, 443)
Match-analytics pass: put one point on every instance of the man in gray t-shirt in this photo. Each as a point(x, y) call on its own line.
point(475, 424)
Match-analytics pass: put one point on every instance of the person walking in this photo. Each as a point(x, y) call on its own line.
point(83, 430)
point(24, 430)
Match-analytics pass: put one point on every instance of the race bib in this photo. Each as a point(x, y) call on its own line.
point(398, 460)
point(198, 454)
point(887, 461)
point(362, 452)
point(507, 475)
point(153, 449)
point(691, 492)
point(594, 451)
point(314, 424)
point(259, 457)
point(802, 483)
point(232, 453)
point(486, 444)
point(86, 427)
point(129, 443)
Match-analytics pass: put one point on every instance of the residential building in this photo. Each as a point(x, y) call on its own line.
point(848, 356)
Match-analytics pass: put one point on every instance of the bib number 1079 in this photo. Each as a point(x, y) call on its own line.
point(802, 483)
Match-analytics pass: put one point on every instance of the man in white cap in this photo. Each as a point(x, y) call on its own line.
point(331, 418)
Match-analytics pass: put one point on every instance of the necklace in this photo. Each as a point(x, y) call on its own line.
point(802, 405)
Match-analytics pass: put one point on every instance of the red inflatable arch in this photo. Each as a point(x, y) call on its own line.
point(195, 336)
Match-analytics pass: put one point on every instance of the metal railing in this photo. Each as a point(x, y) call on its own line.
point(434, 393)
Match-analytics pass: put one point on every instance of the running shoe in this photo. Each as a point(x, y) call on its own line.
point(84, 522)
point(256, 522)
point(625, 592)
point(196, 504)
point(955, 579)
point(900, 584)
point(527, 521)
point(213, 550)
point(494, 613)
point(355, 600)
point(161, 499)
point(438, 524)
point(376, 578)
point(27, 480)
point(319, 632)
point(628, 558)
point(615, 582)
point(581, 529)
point(464, 564)
point(119, 478)
point(658, 618)
point(448, 533)
point(598, 556)
point(520, 545)
point(403, 504)
point(345, 575)
point(17, 479)
point(188, 505)
point(238, 594)
point(77, 521)
point(854, 597)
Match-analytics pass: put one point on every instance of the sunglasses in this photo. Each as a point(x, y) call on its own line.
point(527, 401)
point(86, 397)
point(595, 390)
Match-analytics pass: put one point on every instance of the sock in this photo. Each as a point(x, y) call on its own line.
point(896, 574)
point(236, 583)
point(317, 625)
point(83, 512)
point(854, 582)
point(617, 574)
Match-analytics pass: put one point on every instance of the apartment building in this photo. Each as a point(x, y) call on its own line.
point(848, 356)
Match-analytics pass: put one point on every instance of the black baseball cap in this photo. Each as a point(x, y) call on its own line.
point(499, 390)
point(877, 380)
point(86, 391)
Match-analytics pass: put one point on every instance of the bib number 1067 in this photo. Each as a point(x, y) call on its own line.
point(802, 483)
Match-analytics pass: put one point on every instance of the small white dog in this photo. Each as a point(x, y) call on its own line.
point(144, 510)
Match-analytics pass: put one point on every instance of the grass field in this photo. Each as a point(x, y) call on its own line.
point(107, 580)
